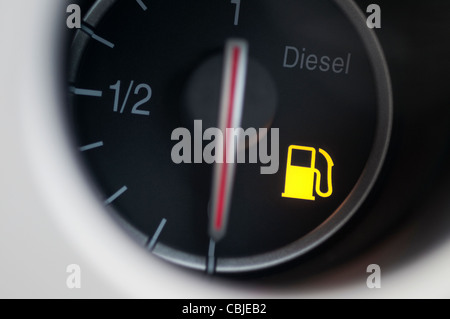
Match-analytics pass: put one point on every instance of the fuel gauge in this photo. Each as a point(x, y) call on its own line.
point(229, 136)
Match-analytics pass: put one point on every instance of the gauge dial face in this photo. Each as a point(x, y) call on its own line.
point(147, 80)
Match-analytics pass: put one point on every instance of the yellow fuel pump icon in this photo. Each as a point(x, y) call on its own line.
point(300, 180)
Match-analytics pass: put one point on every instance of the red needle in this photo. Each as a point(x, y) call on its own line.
point(230, 117)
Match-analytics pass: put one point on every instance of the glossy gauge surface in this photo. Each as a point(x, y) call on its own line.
point(316, 79)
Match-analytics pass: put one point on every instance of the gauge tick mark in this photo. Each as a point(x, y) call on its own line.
point(142, 4)
point(116, 195)
point(155, 237)
point(210, 267)
point(85, 92)
point(91, 146)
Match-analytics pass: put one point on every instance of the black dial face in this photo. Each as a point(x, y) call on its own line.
point(149, 83)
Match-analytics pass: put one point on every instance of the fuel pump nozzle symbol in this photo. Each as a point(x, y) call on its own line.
point(300, 180)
